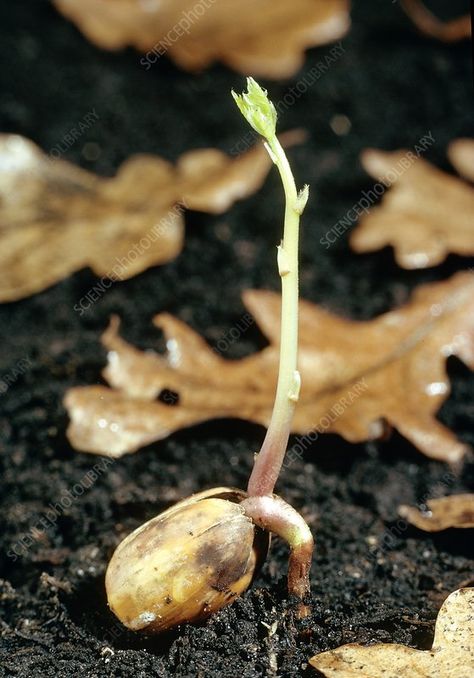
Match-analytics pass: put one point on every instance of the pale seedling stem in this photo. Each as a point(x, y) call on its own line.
point(270, 458)
point(265, 509)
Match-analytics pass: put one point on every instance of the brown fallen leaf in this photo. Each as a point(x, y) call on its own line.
point(451, 656)
point(461, 156)
point(456, 510)
point(56, 218)
point(355, 376)
point(425, 215)
point(429, 24)
point(257, 37)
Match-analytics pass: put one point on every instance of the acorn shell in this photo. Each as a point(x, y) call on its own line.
point(185, 563)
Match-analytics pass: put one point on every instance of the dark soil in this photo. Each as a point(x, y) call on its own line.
point(373, 579)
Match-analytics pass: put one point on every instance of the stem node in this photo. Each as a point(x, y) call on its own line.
point(301, 200)
point(283, 261)
point(294, 393)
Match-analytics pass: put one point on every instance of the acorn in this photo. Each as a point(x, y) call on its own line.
point(185, 563)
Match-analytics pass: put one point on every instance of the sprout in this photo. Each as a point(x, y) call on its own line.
point(257, 109)
point(197, 556)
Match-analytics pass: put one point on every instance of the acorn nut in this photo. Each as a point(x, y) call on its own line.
point(185, 563)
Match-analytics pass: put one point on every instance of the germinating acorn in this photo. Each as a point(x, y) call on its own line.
point(185, 563)
point(199, 555)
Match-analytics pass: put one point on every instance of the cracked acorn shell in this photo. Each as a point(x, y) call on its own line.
point(185, 563)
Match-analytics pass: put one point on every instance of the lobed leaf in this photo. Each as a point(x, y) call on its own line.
point(257, 37)
point(358, 378)
point(456, 510)
point(426, 214)
point(451, 656)
point(56, 218)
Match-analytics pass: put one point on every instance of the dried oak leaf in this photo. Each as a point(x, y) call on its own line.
point(258, 37)
point(355, 376)
point(461, 156)
point(56, 218)
point(451, 656)
point(429, 24)
point(456, 510)
point(426, 214)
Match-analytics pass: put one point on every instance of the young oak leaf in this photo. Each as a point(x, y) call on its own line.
point(56, 218)
point(357, 377)
point(456, 510)
point(451, 656)
point(257, 37)
point(426, 214)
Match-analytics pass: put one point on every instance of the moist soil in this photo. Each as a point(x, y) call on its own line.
point(373, 579)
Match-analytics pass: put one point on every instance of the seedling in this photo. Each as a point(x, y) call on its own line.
point(200, 554)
